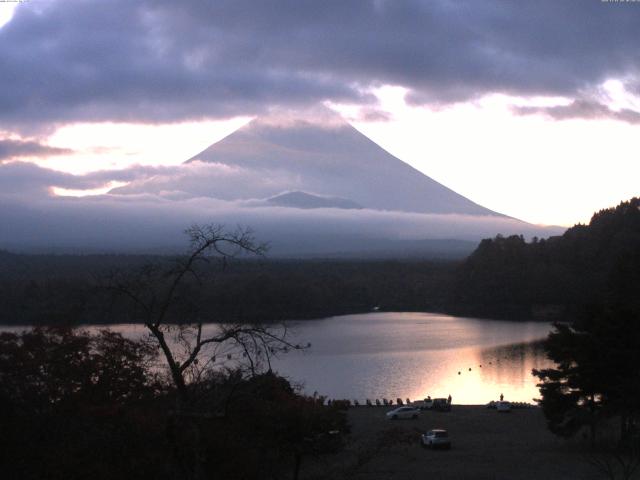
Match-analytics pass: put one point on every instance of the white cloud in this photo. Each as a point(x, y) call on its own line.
point(32, 218)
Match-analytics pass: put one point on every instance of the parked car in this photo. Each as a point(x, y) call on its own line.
point(436, 438)
point(403, 412)
point(503, 406)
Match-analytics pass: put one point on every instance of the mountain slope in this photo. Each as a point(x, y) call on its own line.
point(334, 160)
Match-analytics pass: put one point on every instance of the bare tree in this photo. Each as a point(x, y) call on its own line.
point(162, 298)
point(188, 346)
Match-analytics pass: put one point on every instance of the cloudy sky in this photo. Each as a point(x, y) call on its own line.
point(530, 108)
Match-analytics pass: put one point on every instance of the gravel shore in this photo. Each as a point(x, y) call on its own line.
point(486, 445)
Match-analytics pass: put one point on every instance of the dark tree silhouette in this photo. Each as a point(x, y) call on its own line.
point(75, 405)
point(598, 354)
point(165, 299)
point(79, 405)
point(48, 368)
point(597, 374)
point(555, 278)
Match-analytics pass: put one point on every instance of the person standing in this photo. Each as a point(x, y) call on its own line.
point(501, 397)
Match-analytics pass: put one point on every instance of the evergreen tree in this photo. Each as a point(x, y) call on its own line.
point(597, 374)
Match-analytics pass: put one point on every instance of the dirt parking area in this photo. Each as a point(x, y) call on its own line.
point(486, 445)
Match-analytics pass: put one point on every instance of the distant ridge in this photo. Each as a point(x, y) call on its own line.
point(307, 200)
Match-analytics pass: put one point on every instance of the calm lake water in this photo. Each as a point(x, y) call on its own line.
point(391, 355)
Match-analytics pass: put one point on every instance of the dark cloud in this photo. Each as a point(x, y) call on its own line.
point(26, 180)
point(11, 149)
point(584, 109)
point(164, 60)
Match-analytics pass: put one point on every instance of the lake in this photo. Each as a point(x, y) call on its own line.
point(410, 354)
point(390, 355)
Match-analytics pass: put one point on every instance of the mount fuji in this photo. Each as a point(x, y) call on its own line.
point(320, 187)
point(337, 160)
point(308, 186)
point(313, 159)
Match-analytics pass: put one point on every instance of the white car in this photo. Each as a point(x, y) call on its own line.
point(503, 406)
point(403, 412)
point(436, 438)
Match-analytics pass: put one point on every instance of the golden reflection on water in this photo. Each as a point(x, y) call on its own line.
point(469, 375)
point(418, 354)
point(481, 376)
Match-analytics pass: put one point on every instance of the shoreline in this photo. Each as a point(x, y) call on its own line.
point(300, 318)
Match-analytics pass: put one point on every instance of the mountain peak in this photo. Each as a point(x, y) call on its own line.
point(319, 117)
point(326, 155)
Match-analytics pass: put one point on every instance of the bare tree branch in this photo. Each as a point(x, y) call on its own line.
point(155, 291)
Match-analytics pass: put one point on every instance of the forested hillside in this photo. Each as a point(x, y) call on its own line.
point(68, 289)
point(555, 278)
point(505, 277)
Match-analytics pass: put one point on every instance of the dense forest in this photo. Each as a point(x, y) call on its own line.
point(505, 277)
point(69, 290)
point(554, 278)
